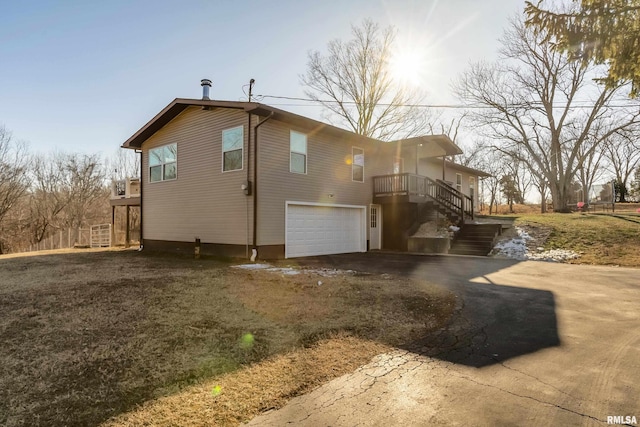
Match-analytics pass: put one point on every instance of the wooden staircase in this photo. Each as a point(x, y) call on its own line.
point(408, 198)
point(412, 188)
point(475, 239)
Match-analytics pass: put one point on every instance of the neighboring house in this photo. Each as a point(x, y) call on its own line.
point(240, 176)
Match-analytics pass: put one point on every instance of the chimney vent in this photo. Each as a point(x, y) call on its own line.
point(206, 85)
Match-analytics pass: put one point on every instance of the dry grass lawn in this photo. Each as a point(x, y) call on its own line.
point(88, 336)
point(601, 239)
point(235, 397)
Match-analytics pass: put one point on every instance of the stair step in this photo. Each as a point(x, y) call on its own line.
point(480, 233)
point(475, 239)
point(463, 252)
point(486, 249)
point(472, 242)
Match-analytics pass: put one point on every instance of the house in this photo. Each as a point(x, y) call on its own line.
point(239, 177)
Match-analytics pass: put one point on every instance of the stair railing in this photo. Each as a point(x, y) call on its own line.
point(451, 199)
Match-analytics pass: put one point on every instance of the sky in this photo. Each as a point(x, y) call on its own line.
point(83, 76)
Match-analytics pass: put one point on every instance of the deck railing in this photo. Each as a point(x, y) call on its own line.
point(125, 188)
point(408, 184)
point(403, 184)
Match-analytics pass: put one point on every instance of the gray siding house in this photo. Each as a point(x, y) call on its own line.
point(240, 177)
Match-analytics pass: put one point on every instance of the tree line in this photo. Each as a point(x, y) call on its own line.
point(541, 117)
point(41, 194)
point(545, 121)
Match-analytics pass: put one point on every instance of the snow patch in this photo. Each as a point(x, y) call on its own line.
point(268, 267)
point(286, 270)
point(329, 272)
point(516, 248)
point(252, 266)
point(431, 229)
point(290, 271)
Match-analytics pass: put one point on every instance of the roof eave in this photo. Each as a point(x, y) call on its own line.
point(463, 168)
point(432, 145)
point(178, 105)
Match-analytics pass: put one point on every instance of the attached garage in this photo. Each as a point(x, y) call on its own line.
point(323, 229)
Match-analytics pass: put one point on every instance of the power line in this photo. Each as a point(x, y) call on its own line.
point(443, 106)
point(382, 104)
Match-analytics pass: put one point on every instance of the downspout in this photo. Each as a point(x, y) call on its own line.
point(248, 179)
point(444, 159)
point(248, 182)
point(255, 187)
point(141, 186)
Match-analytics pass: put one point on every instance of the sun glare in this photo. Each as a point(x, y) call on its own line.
point(408, 67)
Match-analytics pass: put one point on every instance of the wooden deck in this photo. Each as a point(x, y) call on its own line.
point(412, 188)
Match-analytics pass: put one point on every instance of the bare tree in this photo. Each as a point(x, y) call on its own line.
point(49, 194)
point(472, 155)
point(494, 163)
point(537, 180)
point(541, 184)
point(635, 185)
point(590, 166)
point(623, 153)
point(87, 187)
point(450, 128)
point(529, 108)
point(66, 191)
point(16, 227)
point(519, 178)
point(354, 83)
point(14, 163)
point(123, 164)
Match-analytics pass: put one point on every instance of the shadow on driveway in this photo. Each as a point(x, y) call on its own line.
point(492, 323)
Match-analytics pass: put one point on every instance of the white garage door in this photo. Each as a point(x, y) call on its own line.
point(324, 229)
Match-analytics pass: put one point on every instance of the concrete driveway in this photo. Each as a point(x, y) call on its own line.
point(532, 343)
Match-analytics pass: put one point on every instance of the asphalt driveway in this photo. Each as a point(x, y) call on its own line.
point(532, 343)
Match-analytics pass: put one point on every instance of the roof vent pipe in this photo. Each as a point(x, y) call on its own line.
point(206, 85)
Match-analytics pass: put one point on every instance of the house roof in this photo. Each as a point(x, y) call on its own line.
point(178, 105)
point(428, 145)
point(462, 168)
point(432, 145)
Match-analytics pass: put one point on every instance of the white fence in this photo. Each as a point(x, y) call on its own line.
point(100, 236)
point(97, 236)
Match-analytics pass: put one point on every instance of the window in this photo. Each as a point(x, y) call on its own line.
point(163, 163)
point(374, 217)
point(459, 182)
point(232, 153)
point(298, 153)
point(357, 164)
